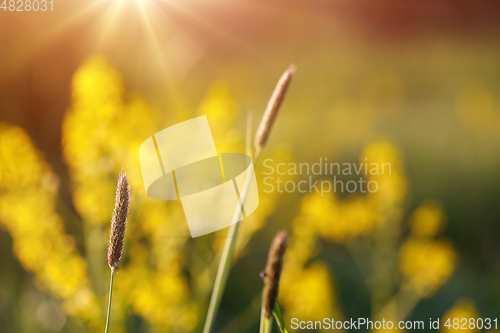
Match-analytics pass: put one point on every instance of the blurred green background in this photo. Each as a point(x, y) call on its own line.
point(414, 84)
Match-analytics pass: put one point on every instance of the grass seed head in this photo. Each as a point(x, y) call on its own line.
point(272, 272)
point(119, 221)
point(273, 107)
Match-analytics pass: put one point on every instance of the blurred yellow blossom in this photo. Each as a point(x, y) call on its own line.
point(102, 133)
point(27, 211)
point(341, 220)
point(385, 166)
point(373, 222)
point(383, 156)
point(308, 293)
point(459, 317)
point(338, 220)
point(427, 220)
point(221, 110)
point(427, 264)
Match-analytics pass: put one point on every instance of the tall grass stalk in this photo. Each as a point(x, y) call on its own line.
point(117, 233)
point(271, 276)
point(261, 137)
point(109, 300)
point(226, 258)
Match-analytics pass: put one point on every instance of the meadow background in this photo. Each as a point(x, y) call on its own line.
point(414, 84)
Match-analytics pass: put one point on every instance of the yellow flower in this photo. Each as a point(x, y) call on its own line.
point(338, 220)
point(308, 293)
point(221, 110)
point(428, 220)
point(28, 213)
point(102, 133)
point(358, 215)
point(385, 166)
point(427, 264)
point(461, 317)
point(386, 158)
point(323, 213)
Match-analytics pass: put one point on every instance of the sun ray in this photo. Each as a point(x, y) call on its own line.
point(206, 24)
point(64, 25)
point(111, 21)
point(146, 21)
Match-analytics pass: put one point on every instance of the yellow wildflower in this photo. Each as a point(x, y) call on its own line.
point(427, 264)
point(461, 317)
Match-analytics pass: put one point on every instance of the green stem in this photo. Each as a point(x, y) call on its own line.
point(226, 259)
point(110, 296)
point(266, 324)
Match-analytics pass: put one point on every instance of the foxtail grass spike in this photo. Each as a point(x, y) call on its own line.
point(119, 221)
point(272, 108)
point(117, 234)
point(272, 272)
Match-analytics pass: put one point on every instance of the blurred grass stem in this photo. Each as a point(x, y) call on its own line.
point(226, 258)
point(110, 297)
